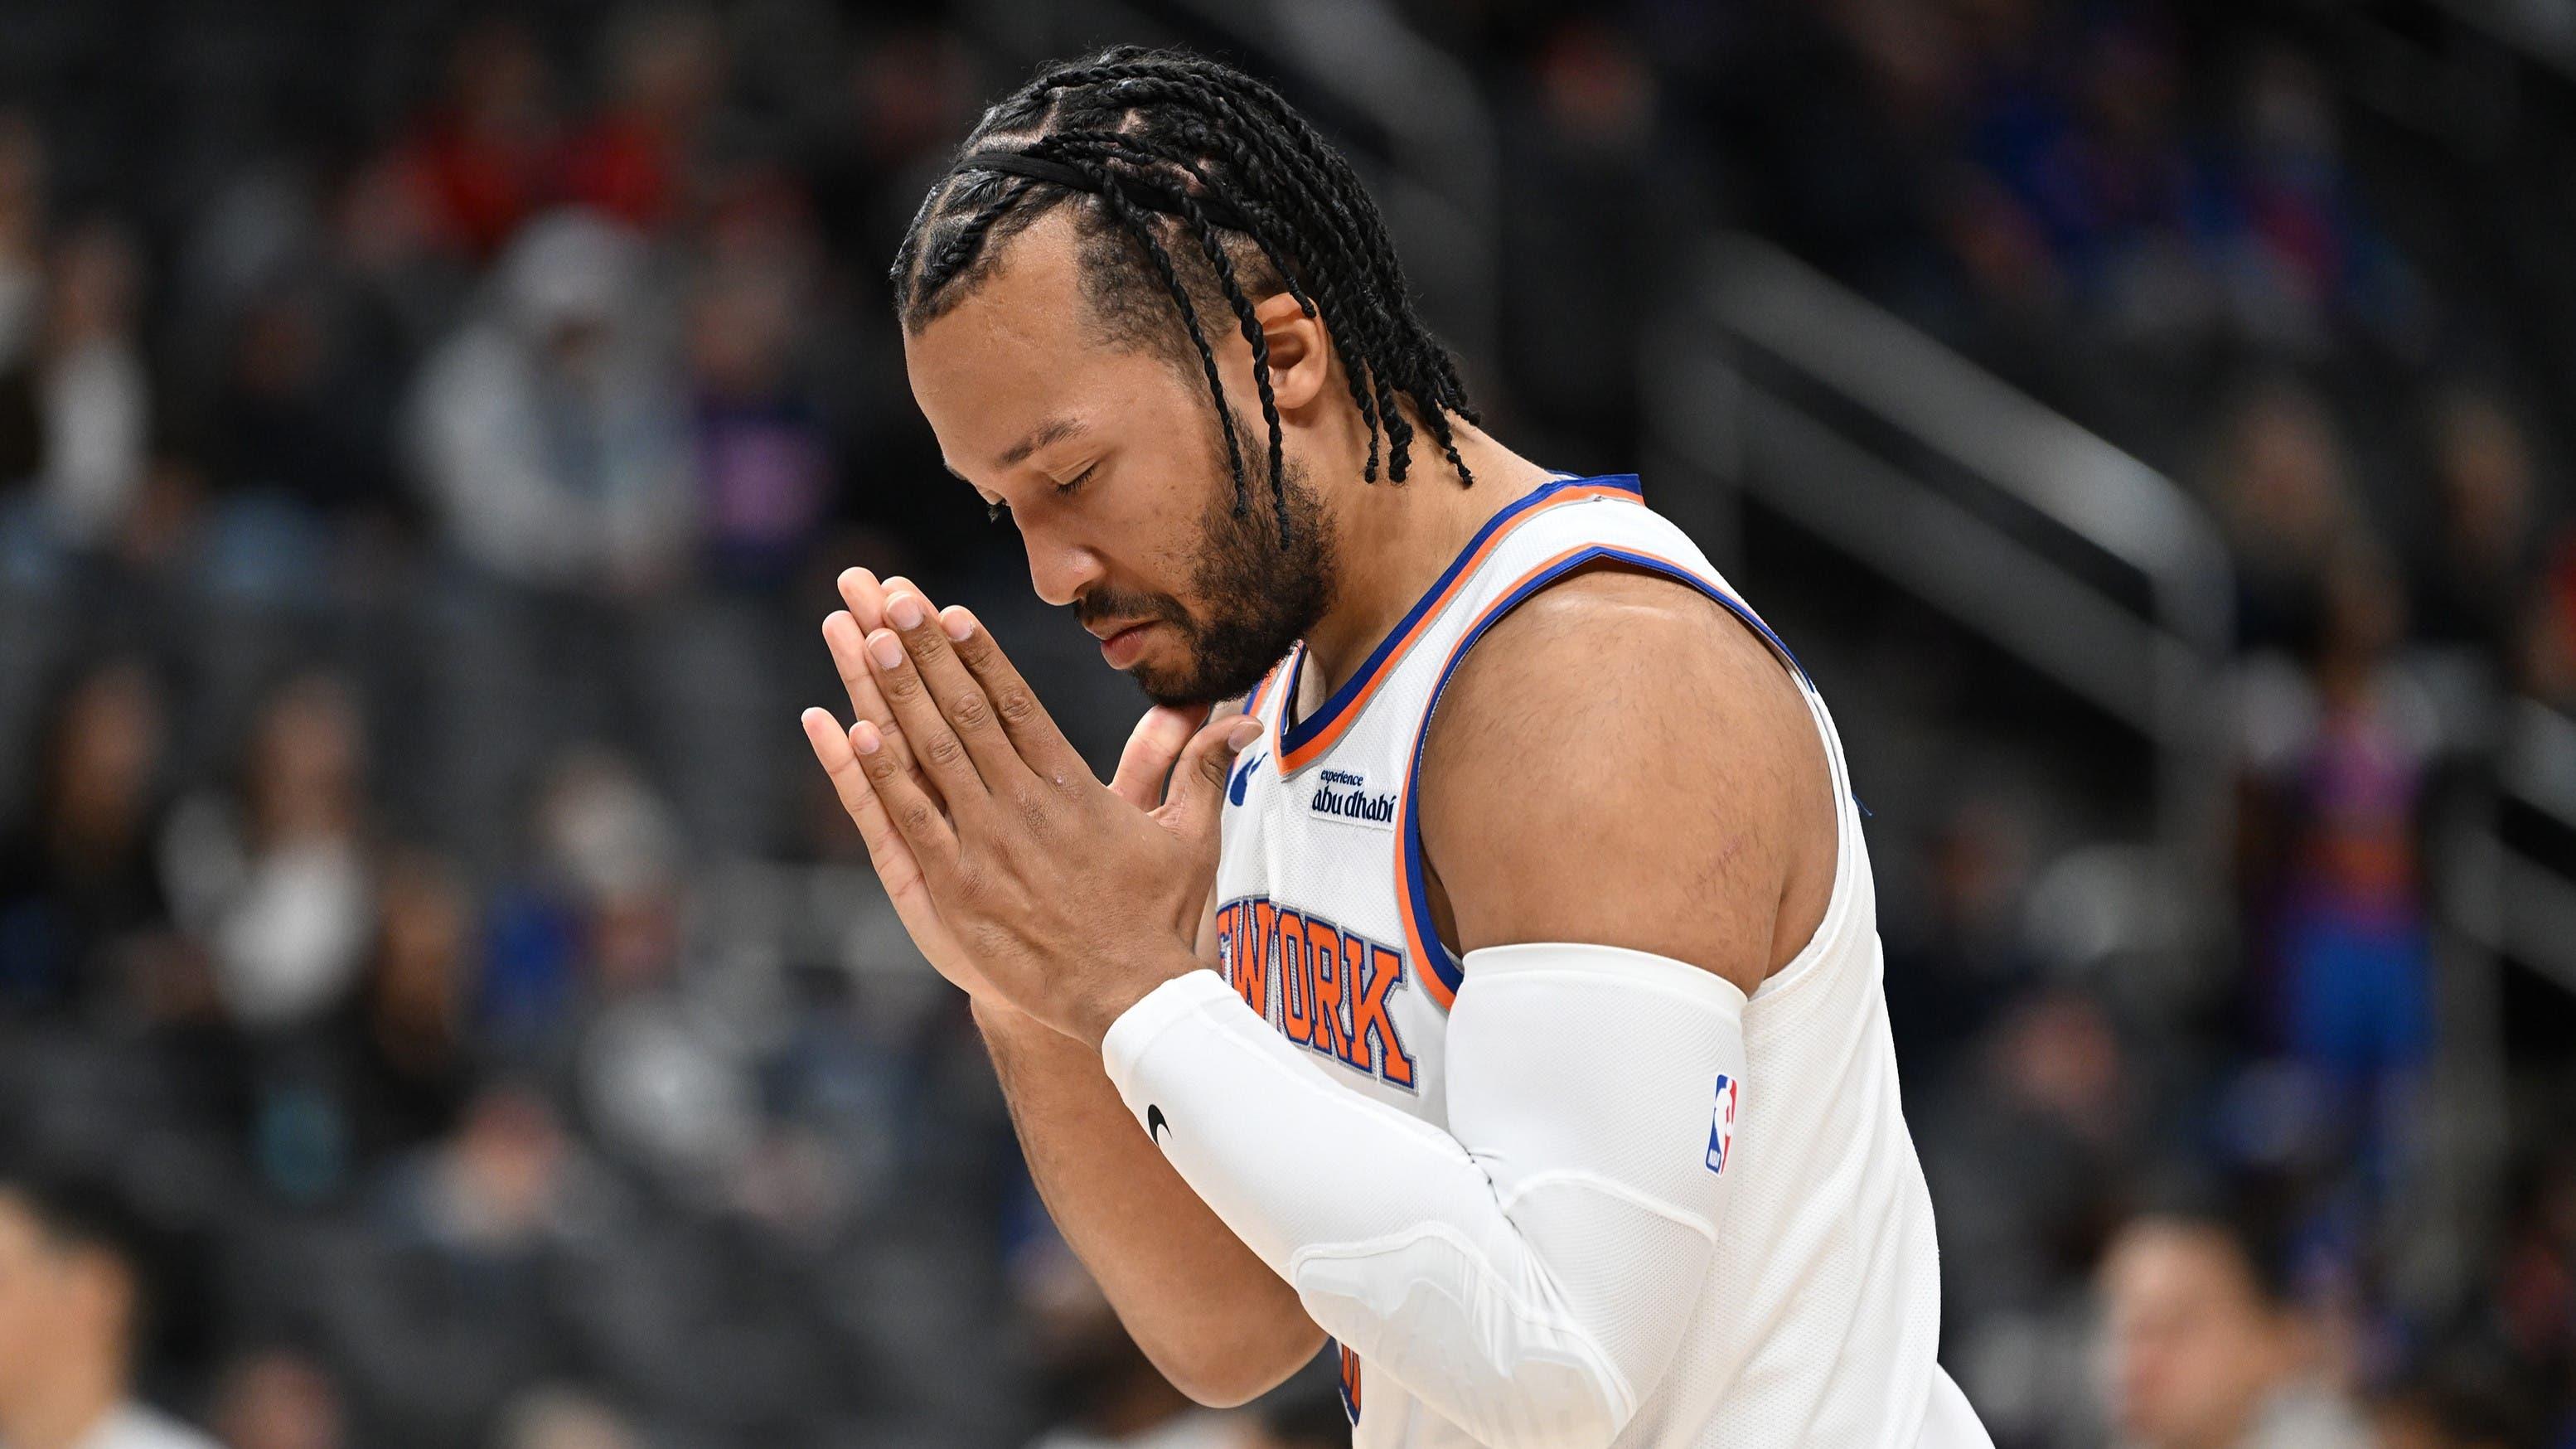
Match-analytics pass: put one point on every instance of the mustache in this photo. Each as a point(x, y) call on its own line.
point(1108, 606)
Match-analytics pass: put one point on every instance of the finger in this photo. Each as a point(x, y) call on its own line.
point(955, 689)
point(865, 595)
point(1156, 742)
point(886, 849)
point(936, 751)
point(845, 636)
point(917, 818)
point(1031, 729)
point(1199, 781)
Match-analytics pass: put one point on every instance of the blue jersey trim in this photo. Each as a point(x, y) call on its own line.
point(1442, 962)
point(1295, 735)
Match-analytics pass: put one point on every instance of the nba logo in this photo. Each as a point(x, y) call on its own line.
point(1721, 1124)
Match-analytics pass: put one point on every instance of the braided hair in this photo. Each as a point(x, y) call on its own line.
point(1195, 187)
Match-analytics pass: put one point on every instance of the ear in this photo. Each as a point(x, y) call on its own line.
point(1301, 351)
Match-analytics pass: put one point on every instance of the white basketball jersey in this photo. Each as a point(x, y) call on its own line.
point(1819, 1319)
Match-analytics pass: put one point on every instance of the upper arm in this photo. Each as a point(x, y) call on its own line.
point(1619, 761)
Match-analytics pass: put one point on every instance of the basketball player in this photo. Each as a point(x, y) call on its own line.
point(1496, 988)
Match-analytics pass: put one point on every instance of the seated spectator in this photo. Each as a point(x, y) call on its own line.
point(481, 159)
point(561, 1418)
point(550, 432)
point(22, 307)
point(764, 457)
point(94, 395)
point(278, 1398)
point(2283, 492)
point(413, 1066)
point(666, 70)
point(2206, 1348)
point(2486, 554)
point(275, 878)
point(71, 1309)
point(81, 896)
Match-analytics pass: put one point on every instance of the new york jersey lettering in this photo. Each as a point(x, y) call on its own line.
point(1322, 986)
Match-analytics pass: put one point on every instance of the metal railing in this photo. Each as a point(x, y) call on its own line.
point(2494, 899)
point(2505, 899)
point(2089, 567)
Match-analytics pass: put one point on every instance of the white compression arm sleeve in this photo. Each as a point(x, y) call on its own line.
point(1527, 1274)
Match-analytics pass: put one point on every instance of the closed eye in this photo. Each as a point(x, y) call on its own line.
point(994, 508)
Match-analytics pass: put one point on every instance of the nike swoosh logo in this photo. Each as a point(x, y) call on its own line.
point(1242, 777)
point(1155, 1126)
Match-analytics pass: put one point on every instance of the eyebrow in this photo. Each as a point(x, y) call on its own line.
point(1053, 431)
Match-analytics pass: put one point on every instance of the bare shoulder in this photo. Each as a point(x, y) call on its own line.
point(1621, 761)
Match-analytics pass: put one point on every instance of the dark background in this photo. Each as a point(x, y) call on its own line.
point(427, 435)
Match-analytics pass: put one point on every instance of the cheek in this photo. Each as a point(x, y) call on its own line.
point(1150, 537)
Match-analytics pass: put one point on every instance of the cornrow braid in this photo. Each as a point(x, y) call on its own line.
point(1157, 148)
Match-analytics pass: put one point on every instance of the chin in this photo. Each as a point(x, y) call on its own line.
point(1177, 693)
point(1182, 684)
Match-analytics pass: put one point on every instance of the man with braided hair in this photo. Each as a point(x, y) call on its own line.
point(1474, 958)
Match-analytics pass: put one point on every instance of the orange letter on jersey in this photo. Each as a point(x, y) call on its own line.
point(1324, 975)
point(1368, 1012)
point(1259, 932)
point(1296, 985)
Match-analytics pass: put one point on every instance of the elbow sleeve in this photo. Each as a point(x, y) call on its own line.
point(1527, 1274)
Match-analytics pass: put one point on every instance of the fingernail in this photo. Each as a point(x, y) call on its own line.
point(904, 611)
point(956, 623)
point(1245, 731)
point(885, 649)
point(864, 738)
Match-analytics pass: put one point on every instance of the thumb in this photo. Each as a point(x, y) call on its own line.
point(1198, 784)
point(1158, 740)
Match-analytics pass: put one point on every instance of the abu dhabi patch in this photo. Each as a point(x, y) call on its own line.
point(1344, 795)
point(1721, 1124)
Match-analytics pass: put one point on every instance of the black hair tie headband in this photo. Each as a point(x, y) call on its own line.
point(1074, 178)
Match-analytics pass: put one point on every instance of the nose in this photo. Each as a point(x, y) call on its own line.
point(1060, 570)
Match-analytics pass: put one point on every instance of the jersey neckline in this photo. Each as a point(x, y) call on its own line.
point(1298, 745)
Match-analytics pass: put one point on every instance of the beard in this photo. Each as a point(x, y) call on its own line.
point(1256, 596)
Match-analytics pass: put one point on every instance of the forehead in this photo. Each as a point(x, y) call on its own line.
point(1024, 348)
point(2178, 1260)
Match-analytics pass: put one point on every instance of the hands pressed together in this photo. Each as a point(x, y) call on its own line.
point(1022, 878)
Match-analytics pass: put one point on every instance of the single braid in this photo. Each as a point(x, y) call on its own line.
point(969, 238)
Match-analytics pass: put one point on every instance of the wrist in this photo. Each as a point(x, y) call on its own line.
point(995, 1016)
point(1116, 998)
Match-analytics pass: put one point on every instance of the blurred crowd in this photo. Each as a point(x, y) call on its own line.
point(439, 1006)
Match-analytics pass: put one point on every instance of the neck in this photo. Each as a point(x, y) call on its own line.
point(1394, 539)
point(63, 1409)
